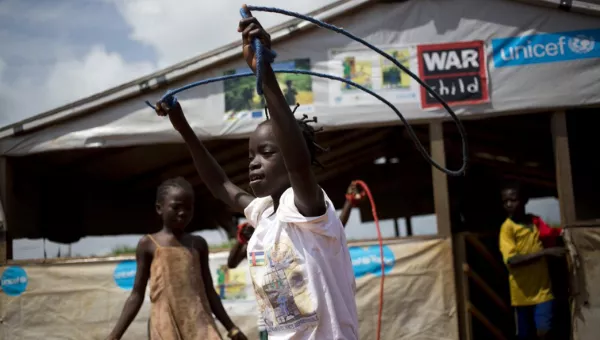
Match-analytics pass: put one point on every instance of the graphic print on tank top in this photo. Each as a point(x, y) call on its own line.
point(281, 286)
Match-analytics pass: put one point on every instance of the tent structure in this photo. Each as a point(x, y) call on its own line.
point(515, 71)
point(112, 136)
point(118, 116)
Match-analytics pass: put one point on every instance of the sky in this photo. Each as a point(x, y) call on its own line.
point(57, 51)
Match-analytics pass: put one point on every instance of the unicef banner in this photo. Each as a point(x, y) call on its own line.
point(82, 301)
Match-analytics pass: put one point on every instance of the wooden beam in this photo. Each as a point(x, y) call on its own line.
point(471, 274)
point(562, 159)
point(441, 200)
point(409, 228)
point(459, 252)
point(497, 333)
point(5, 209)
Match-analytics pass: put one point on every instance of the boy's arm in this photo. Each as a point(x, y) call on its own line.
point(512, 258)
point(143, 256)
point(236, 255)
point(353, 198)
point(508, 248)
point(308, 196)
point(209, 170)
point(519, 260)
point(345, 214)
point(213, 298)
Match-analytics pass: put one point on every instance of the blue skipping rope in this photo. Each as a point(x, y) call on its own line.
point(267, 56)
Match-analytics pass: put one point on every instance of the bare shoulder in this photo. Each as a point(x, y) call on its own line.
point(145, 245)
point(199, 243)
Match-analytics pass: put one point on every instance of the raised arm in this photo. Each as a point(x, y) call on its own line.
point(345, 214)
point(209, 170)
point(308, 196)
point(353, 198)
point(143, 256)
point(214, 300)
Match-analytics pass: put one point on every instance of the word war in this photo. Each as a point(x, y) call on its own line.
point(457, 72)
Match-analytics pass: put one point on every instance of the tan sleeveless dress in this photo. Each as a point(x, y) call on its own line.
point(180, 308)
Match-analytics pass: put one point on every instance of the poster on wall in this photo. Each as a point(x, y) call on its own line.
point(546, 48)
point(456, 71)
point(242, 101)
point(373, 72)
point(233, 285)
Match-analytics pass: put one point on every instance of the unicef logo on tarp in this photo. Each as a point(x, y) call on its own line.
point(581, 44)
point(367, 260)
point(124, 274)
point(14, 281)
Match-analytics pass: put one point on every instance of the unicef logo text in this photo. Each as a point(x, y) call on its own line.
point(545, 48)
point(581, 44)
point(370, 259)
point(124, 274)
point(367, 260)
point(14, 281)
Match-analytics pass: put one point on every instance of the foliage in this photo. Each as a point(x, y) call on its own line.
point(222, 246)
point(128, 250)
point(122, 250)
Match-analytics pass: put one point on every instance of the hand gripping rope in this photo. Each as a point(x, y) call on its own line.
point(264, 55)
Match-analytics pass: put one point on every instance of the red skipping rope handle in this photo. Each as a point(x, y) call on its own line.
point(241, 239)
point(364, 186)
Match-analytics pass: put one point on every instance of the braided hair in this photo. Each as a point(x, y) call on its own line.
point(309, 133)
point(177, 182)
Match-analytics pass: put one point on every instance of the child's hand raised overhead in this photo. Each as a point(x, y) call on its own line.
point(250, 29)
point(175, 114)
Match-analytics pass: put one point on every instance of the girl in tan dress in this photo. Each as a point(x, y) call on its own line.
point(181, 288)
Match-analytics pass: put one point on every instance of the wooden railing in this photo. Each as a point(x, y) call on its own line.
point(485, 288)
point(466, 275)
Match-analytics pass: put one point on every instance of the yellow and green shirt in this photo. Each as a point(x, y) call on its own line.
point(529, 283)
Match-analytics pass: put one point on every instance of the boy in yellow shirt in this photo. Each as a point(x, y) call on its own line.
point(525, 256)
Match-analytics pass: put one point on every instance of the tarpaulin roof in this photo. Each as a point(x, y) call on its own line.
point(557, 70)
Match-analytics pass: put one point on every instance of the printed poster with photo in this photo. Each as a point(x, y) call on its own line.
point(241, 99)
point(375, 73)
point(456, 71)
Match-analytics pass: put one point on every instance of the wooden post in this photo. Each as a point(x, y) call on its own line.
point(465, 324)
point(441, 203)
point(566, 201)
point(409, 230)
point(396, 227)
point(562, 160)
point(440, 182)
point(5, 192)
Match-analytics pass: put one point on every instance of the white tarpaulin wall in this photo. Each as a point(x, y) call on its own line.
point(585, 277)
point(83, 301)
point(484, 56)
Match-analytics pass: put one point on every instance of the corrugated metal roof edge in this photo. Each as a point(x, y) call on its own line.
point(160, 78)
point(574, 6)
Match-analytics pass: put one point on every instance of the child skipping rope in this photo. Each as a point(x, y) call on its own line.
point(299, 260)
